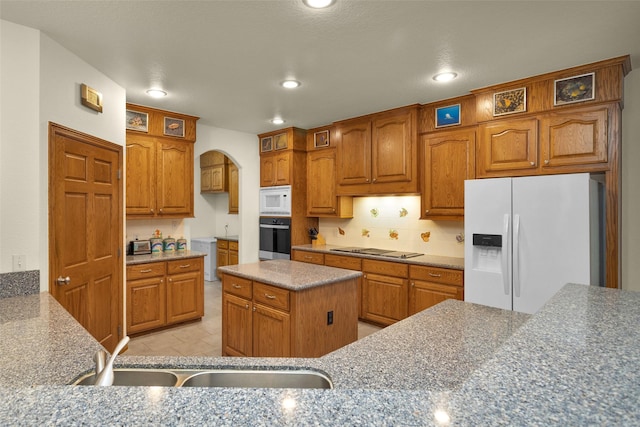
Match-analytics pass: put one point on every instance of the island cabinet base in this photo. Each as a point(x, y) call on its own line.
point(263, 320)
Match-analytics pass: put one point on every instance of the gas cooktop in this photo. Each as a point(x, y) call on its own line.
point(378, 252)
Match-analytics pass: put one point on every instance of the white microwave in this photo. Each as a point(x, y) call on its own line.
point(275, 201)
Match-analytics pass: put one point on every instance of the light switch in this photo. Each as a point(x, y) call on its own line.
point(19, 262)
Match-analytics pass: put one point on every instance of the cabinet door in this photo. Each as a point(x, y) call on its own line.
point(391, 148)
point(141, 181)
point(354, 153)
point(234, 204)
point(222, 259)
point(174, 171)
point(271, 332)
point(384, 298)
point(574, 138)
point(283, 165)
point(185, 296)
point(321, 183)
point(267, 169)
point(449, 159)
point(236, 326)
point(146, 304)
point(507, 146)
point(423, 295)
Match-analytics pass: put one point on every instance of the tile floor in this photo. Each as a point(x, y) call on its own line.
point(201, 338)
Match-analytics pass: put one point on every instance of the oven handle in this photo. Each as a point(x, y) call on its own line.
point(281, 227)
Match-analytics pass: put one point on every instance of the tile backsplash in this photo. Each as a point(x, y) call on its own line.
point(392, 223)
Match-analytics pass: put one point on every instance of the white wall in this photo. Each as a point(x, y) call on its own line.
point(20, 172)
point(41, 84)
point(211, 212)
point(630, 181)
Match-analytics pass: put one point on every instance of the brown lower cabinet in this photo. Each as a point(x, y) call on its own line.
point(391, 291)
point(262, 320)
point(227, 254)
point(163, 293)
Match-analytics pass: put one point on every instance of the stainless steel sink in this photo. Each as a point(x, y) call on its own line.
point(259, 379)
point(247, 378)
point(136, 377)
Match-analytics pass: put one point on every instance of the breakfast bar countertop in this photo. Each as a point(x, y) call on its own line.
point(290, 275)
point(575, 362)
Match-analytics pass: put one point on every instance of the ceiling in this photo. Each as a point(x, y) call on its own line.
point(223, 60)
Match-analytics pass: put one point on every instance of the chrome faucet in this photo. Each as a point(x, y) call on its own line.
point(104, 371)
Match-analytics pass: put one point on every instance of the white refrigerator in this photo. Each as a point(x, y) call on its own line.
point(525, 238)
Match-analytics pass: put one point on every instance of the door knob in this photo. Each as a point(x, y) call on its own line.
point(63, 280)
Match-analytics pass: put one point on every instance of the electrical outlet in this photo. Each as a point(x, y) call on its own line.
point(19, 262)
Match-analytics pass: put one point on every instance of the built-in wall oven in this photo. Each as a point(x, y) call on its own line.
point(275, 238)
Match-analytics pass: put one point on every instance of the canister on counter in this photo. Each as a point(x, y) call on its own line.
point(181, 244)
point(156, 245)
point(169, 244)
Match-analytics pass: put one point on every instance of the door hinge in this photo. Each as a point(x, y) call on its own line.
point(119, 331)
point(119, 252)
point(119, 174)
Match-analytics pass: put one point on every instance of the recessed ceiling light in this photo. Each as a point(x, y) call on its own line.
point(156, 93)
point(290, 84)
point(318, 4)
point(445, 77)
point(277, 121)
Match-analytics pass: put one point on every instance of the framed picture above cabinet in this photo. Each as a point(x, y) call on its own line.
point(137, 121)
point(174, 127)
point(510, 102)
point(266, 144)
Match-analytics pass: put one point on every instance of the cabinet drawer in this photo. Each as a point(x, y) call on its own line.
point(237, 286)
point(310, 257)
point(233, 246)
point(183, 266)
point(140, 271)
point(384, 267)
point(348, 262)
point(272, 296)
point(223, 244)
point(438, 275)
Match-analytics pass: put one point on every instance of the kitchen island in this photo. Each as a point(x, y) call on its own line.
point(283, 308)
point(575, 362)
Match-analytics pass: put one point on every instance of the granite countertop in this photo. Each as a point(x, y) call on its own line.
point(576, 362)
point(162, 256)
point(292, 275)
point(428, 260)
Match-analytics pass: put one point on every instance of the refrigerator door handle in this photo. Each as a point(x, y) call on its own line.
point(516, 255)
point(505, 253)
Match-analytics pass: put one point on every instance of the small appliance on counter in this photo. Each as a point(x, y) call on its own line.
point(139, 247)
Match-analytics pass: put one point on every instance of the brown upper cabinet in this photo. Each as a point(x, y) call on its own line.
point(159, 163)
point(322, 199)
point(377, 154)
point(218, 174)
point(280, 153)
point(448, 159)
point(214, 172)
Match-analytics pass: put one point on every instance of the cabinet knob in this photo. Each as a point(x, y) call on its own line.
point(367, 180)
point(254, 308)
point(426, 211)
point(270, 296)
point(374, 179)
point(246, 306)
point(546, 162)
point(533, 163)
point(435, 275)
point(151, 210)
point(413, 284)
point(160, 210)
